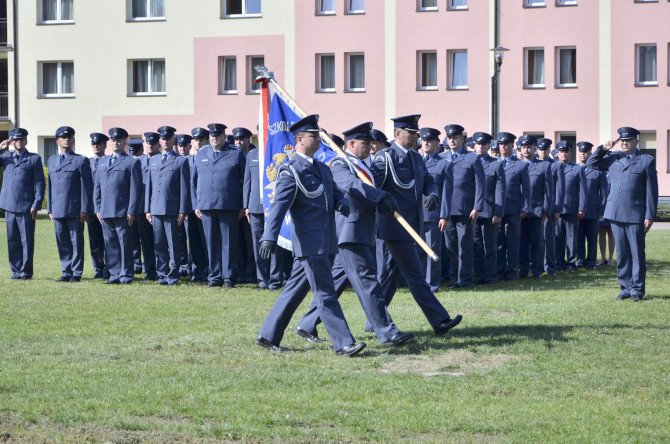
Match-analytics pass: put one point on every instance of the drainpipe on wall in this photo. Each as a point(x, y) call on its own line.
point(16, 62)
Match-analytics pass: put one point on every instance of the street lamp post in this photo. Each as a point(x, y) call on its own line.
point(498, 54)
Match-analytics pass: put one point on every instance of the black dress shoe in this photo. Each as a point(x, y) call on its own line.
point(269, 345)
point(112, 282)
point(636, 298)
point(75, 279)
point(98, 275)
point(398, 339)
point(448, 324)
point(64, 279)
point(351, 350)
point(214, 284)
point(151, 277)
point(26, 278)
point(307, 335)
point(621, 296)
point(228, 284)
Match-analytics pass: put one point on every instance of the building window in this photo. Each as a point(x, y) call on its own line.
point(457, 4)
point(355, 72)
point(533, 3)
point(146, 10)
point(147, 77)
point(536, 134)
point(325, 72)
point(566, 67)
point(426, 5)
point(49, 147)
point(457, 69)
point(57, 79)
point(227, 75)
point(56, 11)
point(645, 65)
point(566, 2)
point(534, 68)
point(427, 70)
point(647, 143)
point(252, 62)
point(355, 6)
point(241, 8)
point(325, 7)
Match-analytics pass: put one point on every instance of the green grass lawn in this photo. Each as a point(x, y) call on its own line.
point(549, 360)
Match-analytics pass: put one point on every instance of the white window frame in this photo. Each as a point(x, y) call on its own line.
point(348, 9)
point(222, 74)
point(59, 13)
point(639, 82)
point(319, 86)
point(347, 64)
point(251, 75)
point(529, 4)
point(148, 18)
point(452, 7)
point(566, 2)
point(419, 71)
point(42, 141)
point(59, 80)
point(450, 63)
point(319, 8)
point(526, 80)
point(422, 8)
point(557, 65)
point(131, 67)
point(224, 10)
point(644, 139)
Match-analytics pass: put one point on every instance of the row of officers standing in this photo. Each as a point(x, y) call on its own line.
point(504, 215)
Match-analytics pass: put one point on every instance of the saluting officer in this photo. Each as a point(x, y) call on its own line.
point(595, 198)
point(194, 231)
point(246, 265)
point(442, 174)
point(567, 227)
point(167, 198)
point(95, 239)
point(631, 206)
point(355, 262)
point(216, 193)
point(21, 197)
point(70, 200)
point(516, 208)
point(467, 201)
point(550, 224)
point(305, 188)
point(401, 172)
point(541, 196)
point(486, 229)
point(117, 204)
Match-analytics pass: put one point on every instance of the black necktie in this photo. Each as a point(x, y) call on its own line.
point(164, 156)
point(112, 161)
point(62, 159)
point(95, 163)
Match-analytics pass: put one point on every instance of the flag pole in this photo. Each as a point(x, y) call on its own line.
point(268, 76)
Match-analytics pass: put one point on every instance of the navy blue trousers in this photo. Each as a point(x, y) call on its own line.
point(509, 235)
point(70, 242)
point(587, 242)
point(221, 230)
point(167, 244)
point(531, 254)
point(197, 249)
point(118, 249)
point(268, 272)
point(20, 243)
point(96, 243)
point(432, 270)
point(567, 230)
point(459, 239)
point(549, 244)
point(630, 257)
point(485, 250)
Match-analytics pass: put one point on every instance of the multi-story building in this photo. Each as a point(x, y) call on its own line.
point(575, 69)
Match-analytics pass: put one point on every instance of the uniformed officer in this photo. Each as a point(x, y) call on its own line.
point(337, 140)
point(355, 262)
point(401, 172)
point(117, 204)
point(594, 192)
point(21, 197)
point(200, 139)
point(631, 206)
point(490, 218)
point(216, 193)
point(167, 198)
point(183, 144)
point(136, 150)
point(442, 174)
point(305, 188)
point(494, 151)
point(567, 227)
point(70, 200)
point(96, 240)
point(541, 203)
point(246, 264)
point(550, 224)
point(516, 208)
point(194, 231)
point(379, 142)
point(183, 148)
point(467, 202)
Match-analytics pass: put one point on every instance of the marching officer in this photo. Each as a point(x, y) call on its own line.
point(246, 265)
point(441, 172)
point(631, 206)
point(516, 208)
point(594, 190)
point(70, 200)
point(486, 229)
point(21, 198)
point(117, 204)
point(400, 171)
point(194, 231)
point(567, 227)
point(167, 197)
point(216, 194)
point(305, 188)
point(550, 224)
point(467, 202)
point(541, 204)
point(96, 240)
point(355, 262)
